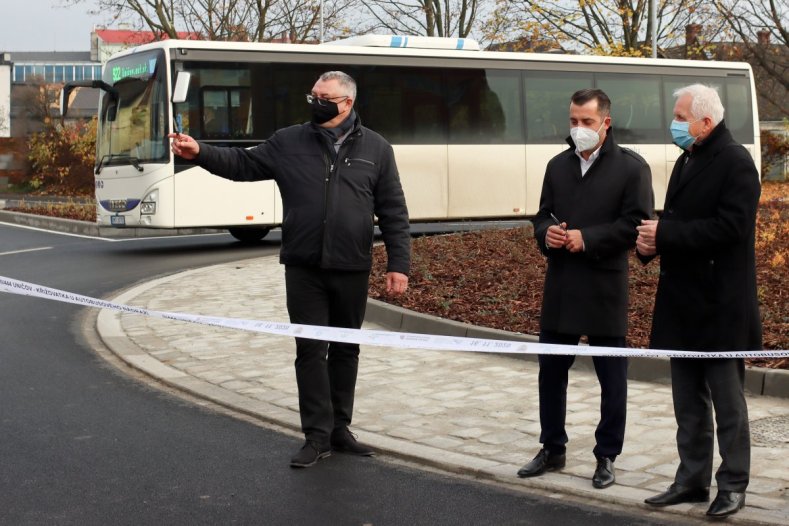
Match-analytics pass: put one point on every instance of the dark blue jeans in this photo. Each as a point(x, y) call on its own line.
point(612, 375)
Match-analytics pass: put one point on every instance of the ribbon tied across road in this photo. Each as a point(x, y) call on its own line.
point(371, 337)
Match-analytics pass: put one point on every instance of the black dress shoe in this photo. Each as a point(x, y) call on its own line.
point(677, 494)
point(343, 441)
point(309, 455)
point(604, 473)
point(726, 503)
point(543, 462)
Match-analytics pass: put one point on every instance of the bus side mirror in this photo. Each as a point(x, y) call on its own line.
point(70, 90)
point(181, 87)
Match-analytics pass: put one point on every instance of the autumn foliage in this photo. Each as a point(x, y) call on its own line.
point(62, 158)
point(494, 278)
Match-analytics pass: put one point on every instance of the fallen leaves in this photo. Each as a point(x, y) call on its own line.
point(494, 278)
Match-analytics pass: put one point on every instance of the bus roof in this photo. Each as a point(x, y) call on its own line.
point(407, 42)
point(350, 47)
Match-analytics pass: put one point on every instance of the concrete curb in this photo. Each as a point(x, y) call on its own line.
point(83, 228)
point(758, 380)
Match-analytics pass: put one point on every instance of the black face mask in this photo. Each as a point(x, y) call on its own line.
point(324, 112)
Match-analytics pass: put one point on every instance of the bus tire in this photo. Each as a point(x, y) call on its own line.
point(249, 234)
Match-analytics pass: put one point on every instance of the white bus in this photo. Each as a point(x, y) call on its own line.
point(472, 130)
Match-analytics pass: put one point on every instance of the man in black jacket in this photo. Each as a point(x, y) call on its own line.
point(334, 176)
point(706, 298)
point(594, 195)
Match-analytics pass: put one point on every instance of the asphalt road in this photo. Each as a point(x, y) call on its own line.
point(81, 442)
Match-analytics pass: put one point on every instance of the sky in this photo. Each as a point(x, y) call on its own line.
point(39, 25)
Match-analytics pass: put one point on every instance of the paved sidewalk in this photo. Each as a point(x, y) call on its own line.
point(470, 413)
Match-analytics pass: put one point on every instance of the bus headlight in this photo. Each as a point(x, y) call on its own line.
point(148, 205)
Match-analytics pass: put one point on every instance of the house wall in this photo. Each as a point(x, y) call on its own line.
point(5, 95)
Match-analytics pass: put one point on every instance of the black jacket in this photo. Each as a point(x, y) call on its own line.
point(706, 298)
point(329, 200)
point(586, 292)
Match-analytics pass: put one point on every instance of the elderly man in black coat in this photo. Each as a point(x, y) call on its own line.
point(594, 195)
point(706, 298)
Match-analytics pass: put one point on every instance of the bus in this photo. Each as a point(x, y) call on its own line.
point(472, 130)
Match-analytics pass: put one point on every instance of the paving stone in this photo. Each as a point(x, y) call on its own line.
point(502, 438)
point(470, 406)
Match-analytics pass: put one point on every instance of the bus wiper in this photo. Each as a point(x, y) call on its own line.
point(134, 161)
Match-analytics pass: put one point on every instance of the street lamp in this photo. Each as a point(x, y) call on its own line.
point(653, 23)
point(321, 28)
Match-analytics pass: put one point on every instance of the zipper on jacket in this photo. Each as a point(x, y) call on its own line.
point(348, 160)
point(326, 181)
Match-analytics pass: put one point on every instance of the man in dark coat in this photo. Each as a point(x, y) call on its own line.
point(594, 195)
point(335, 176)
point(706, 298)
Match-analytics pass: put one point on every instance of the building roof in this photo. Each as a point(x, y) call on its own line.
point(135, 38)
point(50, 57)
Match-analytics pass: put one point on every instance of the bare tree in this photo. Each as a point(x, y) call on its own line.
point(236, 20)
point(610, 27)
point(440, 18)
point(300, 20)
point(761, 29)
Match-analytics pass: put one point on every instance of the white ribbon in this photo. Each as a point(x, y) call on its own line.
point(370, 337)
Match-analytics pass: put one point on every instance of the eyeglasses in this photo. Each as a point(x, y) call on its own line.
point(322, 102)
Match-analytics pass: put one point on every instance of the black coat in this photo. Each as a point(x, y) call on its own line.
point(328, 205)
point(706, 298)
point(586, 292)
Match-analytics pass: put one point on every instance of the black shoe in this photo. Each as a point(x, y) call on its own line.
point(544, 461)
point(726, 503)
point(604, 473)
point(343, 441)
point(309, 455)
point(677, 494)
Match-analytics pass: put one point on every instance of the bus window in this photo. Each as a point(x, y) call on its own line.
point(484, 107)
point(547, 96)
point(226, 113)
point(739, 112)
point(636, 115)
point(216, 115)
point(405, 105)
point(218, 104)
point(283, 91)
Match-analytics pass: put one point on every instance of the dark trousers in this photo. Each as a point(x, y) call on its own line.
point(325, 372)
point(612, 375)
point(698, 386)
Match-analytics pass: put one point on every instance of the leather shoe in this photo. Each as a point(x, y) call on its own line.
point(677, 494)
point(343, 441)
point(726, 503)
point(544, 461)
point(604, 473)
point(309, 454)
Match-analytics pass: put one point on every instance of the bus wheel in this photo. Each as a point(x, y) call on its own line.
point(249, 234)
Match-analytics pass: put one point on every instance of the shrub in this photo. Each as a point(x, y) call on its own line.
point(775, 149)
point(62, 158)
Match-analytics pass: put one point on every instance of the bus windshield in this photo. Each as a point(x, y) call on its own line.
point(133, 120)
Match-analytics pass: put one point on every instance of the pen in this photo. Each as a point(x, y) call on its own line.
point(555, 220)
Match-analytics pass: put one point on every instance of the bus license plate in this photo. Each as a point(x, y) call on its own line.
point(118, 220)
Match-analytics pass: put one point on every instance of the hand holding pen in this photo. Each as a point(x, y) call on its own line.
point(556, 237)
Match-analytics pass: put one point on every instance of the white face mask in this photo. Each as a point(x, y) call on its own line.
point(585, 139)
